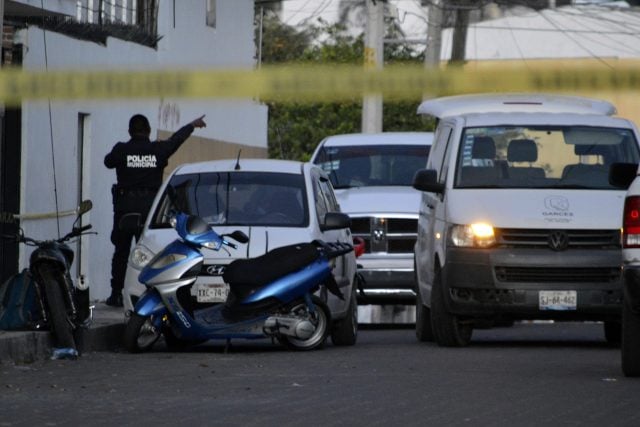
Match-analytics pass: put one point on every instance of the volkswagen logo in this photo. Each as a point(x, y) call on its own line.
point(215, 270)
point(558, 241)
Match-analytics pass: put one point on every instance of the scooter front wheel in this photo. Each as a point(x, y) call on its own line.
point(321, 319)
point(140, 333)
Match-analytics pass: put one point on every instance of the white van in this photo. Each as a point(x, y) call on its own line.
point(518, 219)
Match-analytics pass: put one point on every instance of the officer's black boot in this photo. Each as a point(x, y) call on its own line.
point(115, 300)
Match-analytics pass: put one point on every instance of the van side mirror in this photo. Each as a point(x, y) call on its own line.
point(427, 180)
point(621, 175)
point(131, 222)
point(335, 221)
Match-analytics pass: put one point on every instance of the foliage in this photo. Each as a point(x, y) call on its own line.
point(296, 128)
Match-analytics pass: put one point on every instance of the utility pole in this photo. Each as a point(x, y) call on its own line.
point(459, 42)
point(434, 32)
point(373, 60)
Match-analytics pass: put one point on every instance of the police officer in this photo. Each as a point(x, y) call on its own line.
point(139, 165)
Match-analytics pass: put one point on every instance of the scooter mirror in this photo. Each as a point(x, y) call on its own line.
point(239, 236)
point(85, 206)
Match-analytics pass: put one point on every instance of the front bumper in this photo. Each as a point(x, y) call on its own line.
point(495, 282)
point(387, 281)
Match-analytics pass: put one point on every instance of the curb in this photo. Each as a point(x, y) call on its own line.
point(23, 347)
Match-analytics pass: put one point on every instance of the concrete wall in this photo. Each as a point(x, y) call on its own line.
point(51, 135)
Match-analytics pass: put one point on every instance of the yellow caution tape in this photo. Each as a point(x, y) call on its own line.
point(313, 83)
point(11, 218)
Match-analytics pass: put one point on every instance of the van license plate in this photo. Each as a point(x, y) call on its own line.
point(558, 300)
point(212, 292)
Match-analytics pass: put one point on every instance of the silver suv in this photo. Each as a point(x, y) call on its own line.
point(372, 176)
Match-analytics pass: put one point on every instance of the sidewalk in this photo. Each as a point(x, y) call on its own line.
point(105, 333)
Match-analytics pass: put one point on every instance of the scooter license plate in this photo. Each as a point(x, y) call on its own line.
point(212, 292)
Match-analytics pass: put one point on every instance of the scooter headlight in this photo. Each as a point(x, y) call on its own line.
point(140, 256)
point(212, 245)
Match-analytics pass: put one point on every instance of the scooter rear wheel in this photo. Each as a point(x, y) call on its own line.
point(140, 334)
point(321, 319)
point(60, 322)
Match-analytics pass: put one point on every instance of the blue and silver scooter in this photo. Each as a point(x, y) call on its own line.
point(268, 296)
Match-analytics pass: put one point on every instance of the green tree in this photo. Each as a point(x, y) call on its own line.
point(295, 129)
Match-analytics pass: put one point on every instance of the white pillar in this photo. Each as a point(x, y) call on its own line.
point(373, 59)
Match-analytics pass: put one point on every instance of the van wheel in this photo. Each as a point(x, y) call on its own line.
point(630, 344)
point(424, 331)
point(448, 330)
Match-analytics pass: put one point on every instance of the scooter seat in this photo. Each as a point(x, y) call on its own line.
point(246, 275)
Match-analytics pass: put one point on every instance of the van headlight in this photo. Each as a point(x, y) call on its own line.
point(140, 256)
point(478, 235)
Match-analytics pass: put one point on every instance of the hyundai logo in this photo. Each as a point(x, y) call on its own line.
point(215, 270)
point(558, 240)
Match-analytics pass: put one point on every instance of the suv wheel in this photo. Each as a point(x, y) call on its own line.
point(448, 330)
point(630, 342)
point(345, 331)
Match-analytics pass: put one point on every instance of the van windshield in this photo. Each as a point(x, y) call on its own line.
point(542, 156)
point(236, 198)
point(372, 165)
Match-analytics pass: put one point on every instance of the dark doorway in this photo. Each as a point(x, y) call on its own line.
point(10, 161)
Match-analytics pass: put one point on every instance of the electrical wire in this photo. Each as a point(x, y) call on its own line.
point(567, 35)
point(53, 156)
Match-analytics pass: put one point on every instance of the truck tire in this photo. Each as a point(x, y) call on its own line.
point(630, 343)
point(448, 330)
point(612, 332)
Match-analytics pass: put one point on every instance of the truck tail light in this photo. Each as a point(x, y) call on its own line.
point(631, 223)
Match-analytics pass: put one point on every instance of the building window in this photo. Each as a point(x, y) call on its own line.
point(211, 13)
point(142, 13)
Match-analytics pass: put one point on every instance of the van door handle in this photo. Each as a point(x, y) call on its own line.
point(430, 206)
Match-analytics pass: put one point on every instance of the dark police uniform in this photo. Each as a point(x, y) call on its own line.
point(139, 166)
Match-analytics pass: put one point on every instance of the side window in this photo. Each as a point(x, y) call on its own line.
point(442, 176)
point(329, 196)
point(320, 202)
point(438, 157)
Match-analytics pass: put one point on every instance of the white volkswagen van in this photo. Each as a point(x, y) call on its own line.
point(518, 219)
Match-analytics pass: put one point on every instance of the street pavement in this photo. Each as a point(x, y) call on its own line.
point(105, 333)
point(107, 328)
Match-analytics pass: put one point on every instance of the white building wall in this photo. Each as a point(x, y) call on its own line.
point(187, 45)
